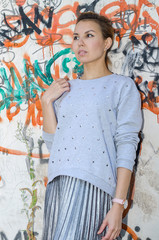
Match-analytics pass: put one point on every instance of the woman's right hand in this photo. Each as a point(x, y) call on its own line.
point(56, 89)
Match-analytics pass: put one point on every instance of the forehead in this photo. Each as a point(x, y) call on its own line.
point(86, 25)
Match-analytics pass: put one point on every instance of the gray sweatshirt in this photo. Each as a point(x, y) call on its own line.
point(98, 123)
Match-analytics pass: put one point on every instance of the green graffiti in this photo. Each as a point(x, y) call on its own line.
point(64, 65)
point(2, 105)
point(11, 95)
point(77, 69)
point(38, 73)
point(30, 88)
point(52, 60)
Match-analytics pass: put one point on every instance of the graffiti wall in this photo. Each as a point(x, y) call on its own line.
point(35, 49)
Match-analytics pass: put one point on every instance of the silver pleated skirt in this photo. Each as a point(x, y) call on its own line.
point(74, 210)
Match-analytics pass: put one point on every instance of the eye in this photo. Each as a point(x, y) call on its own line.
point(90, 35)
point(75, 38)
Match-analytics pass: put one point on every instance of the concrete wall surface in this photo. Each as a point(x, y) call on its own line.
point(35, 49)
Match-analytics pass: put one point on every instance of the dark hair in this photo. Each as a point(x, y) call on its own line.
point(105, 25)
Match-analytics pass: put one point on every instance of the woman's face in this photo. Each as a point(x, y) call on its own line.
point(88, 43)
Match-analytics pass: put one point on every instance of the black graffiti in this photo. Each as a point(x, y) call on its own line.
point(137, 229)
point(26, 21)
point(40, 144)
point(28, 26)
point(55, 4)
point(87, 7)
point(151, 53)
point(149, 59)
point(150, 97)
point(19, 236)
point(142, 57)
point(5, 151)
point(141, 137)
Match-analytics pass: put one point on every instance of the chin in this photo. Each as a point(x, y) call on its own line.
point(84, 60)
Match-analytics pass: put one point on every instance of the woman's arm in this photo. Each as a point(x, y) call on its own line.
point(123, 182)
point(49, 118)
point(55, 90)
point(113, 218)
point(129, 121)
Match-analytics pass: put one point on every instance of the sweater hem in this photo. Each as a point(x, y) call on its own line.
point(86, 176)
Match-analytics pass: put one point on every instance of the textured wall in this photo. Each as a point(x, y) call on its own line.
point(35, 39)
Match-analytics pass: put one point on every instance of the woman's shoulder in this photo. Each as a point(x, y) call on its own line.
point(123, 79)
point(126, 86)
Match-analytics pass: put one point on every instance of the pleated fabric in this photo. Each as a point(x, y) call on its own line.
point(74, 210)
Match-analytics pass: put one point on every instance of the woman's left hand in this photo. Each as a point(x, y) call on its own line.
point(113, 221)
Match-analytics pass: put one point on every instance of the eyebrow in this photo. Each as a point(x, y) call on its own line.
point(85, 32)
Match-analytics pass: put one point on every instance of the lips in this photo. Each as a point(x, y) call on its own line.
point(82, 52)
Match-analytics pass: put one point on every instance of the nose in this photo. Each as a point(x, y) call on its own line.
point(80, 42)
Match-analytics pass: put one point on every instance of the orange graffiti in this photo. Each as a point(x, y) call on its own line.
point(34, 110)
point(149, 102)
point(130, 231)
point(152, 23)
point(20, 2)
point(34, 104)
point(12, 18)
point(30, 67)
point(8, 43)
point(10, 66)
point(31, 116)
point(148, 38)
point(128, 17)
point(51, 36)
point(10, 113)
point(150, 105)
point(17, 152)
point(45, 181)
point(48, 36)
point(131, 195)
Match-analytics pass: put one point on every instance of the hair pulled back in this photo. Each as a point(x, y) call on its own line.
point(105, 25)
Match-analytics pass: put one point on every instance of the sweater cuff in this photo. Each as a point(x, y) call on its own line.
point(126, 155)
point(47, 136)
point(48, 139)
point(125, 163)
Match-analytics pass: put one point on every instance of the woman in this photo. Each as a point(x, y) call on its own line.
point(91, 127)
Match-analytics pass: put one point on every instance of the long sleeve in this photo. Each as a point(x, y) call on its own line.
point(129, 121)
point(49, 137)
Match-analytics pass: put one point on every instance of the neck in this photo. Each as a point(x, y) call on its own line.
point(93, 71)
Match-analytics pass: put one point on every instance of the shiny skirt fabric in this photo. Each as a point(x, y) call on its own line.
point(74, 210)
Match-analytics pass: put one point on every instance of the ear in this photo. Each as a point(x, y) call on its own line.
point(108, 43)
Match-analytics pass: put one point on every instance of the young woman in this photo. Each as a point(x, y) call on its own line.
point(90, 127)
